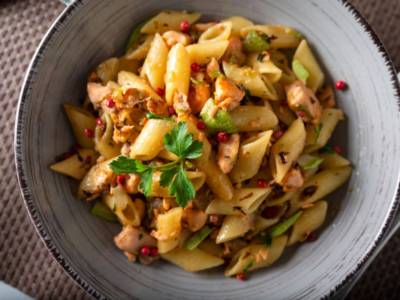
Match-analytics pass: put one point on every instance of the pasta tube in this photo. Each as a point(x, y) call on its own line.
point(251, 154)
point(178, 73)
point(287, 149)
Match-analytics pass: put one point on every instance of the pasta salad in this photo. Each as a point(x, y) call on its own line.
point(208, 143)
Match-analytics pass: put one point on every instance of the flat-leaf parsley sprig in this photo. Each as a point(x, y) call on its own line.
point(173, 175)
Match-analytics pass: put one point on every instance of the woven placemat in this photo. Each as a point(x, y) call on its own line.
point(24, 261)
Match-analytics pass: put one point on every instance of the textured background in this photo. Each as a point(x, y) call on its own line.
point(24, 261)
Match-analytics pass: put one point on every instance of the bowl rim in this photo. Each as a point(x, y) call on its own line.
point(29, 199)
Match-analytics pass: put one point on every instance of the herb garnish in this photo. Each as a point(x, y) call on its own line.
point(153, 116)
point(300, 71)
point(215, 74)
point(327, 149)
point(248, 266)
point(173, 175)
point(318, 129)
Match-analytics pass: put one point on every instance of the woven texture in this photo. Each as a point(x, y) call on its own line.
point(25, 262)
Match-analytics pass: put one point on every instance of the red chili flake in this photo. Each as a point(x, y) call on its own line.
point(145, 251)
point(278, 134)
point(160, 91)
point(241, 276)
point(99, 121)
point(262, 183)
point(222, 137)
point(337, 149)
point(110, 103)
point(312, 237)
point(171, 110)
point(201, 125)
point(301, 114)
point(271, 212)
point(154, 251)
point(341, 85)
point(121, 179)
point(88, 132)
point(195, 67)
point(184, 26)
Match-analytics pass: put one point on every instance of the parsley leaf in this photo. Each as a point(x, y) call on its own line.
point(173, 175)
point(146, 181)
point(167, 176)
point(194, 150)
point(180, 142)
point(125, 165)
point(182, 188)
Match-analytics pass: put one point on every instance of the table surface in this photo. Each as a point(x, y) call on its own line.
point(25, 262)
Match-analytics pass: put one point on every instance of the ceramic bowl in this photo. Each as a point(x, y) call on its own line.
point(89, 31)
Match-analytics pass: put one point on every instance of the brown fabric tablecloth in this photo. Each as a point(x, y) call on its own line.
point(24, 261)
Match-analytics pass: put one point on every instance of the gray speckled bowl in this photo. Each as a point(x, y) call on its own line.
point(89, 31)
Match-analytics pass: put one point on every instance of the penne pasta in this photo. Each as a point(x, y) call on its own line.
point(287, 149)
point(203, 53)
point(333, 160)
point(218, 182)
point(251, 154)
point(283, 112)
point(103, 139)
point(192, 260)
point(253, 118)
point(244, 201)
point(108, 70)
point(218, 32)
point(311, 219)
point(140, 52)
point(128, 212)
point(165, 246)
point(149, 143)
point(284, 37)
point(233, 227)
point(256, 256)
point(178, 73)
point(80, 119)
point(316, 139)
point(250, 80)
point(265, 67)
point(210, 247)
point(238, 23)
point(169, 224)
point(77, 165)
point(128, 80)
point(305, 56)
point(155, 64)
point(168, 20)
point(324, 183)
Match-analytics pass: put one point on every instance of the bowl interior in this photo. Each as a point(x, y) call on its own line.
point(90, 31)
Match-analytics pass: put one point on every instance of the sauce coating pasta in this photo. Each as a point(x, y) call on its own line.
point(208, 143)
